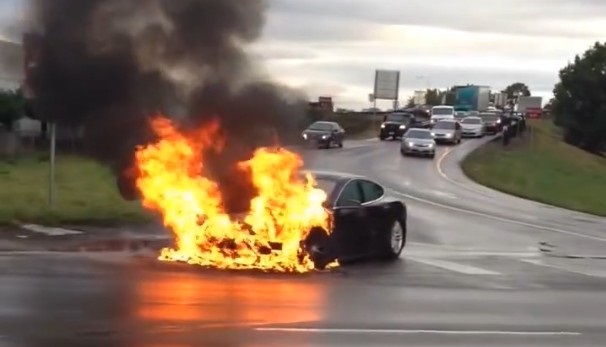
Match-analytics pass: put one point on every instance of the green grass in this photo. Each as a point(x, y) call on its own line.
point(541, 167)
point(86, 193)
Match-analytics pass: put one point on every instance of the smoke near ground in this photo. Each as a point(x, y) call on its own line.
point(109, 64)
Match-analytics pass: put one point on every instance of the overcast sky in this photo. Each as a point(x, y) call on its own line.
point(332, 47)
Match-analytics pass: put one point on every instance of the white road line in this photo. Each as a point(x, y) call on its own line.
point(539, 262)
point(50, 231)
point(500, 219)
point(419, 331)
point(456, 267)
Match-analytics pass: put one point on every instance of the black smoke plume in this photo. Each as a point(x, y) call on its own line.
point(109, 64)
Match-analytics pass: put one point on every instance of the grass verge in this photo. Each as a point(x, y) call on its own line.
point(85, 194)
point(543, 168)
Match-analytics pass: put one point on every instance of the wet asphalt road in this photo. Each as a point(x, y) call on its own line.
point(472, 275)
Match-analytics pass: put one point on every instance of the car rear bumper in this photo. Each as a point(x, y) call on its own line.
point(445, 139)
point(419, 150)
point(472, 133)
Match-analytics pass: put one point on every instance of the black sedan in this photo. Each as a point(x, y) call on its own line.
point(324, 134)
point(365, 222)
point(396, 124)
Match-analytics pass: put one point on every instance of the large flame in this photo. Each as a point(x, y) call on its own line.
point(172, 181)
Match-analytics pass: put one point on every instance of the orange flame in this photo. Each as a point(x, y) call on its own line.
point(172, 181)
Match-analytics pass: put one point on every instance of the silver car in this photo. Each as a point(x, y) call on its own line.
point(447, 131)
point(473, 127)
point(418, 141)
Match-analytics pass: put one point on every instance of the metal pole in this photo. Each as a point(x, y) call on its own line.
point(51, 176)
point(374, 110)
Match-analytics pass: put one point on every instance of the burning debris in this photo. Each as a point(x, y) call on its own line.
point(108, 65)
point(173, 180)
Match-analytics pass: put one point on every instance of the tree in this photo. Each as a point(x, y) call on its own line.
point(579, 100)
point(410, 102)
point(517, 88)
point(12, 107)
point(433, 97)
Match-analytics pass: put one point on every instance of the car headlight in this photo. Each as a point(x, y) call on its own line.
point(382, 125)
point(305, 136)
point(410, 144)
point(449, 135)
point(433, 134)
point(431, 145)
point(324, 137)
point(402, 126)
point(498, 121)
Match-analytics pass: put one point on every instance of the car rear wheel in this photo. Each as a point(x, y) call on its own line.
point(394, 243)
point(317, 245)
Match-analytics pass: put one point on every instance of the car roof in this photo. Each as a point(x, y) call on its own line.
point(334, 175)
point(447, 121)
point(420, 130)
point(324, 122)
point(473, 117)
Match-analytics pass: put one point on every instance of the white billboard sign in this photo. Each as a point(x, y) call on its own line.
point(387, 84)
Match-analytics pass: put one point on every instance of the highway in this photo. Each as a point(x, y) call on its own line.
point(472, 274)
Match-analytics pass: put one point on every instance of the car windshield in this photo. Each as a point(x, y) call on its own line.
point(445, 125)
point(398, 117)
point(326, 185)
point(321, 126)
point(418, 134)
point(442, 111)
point(471, 121)
point(490, 117)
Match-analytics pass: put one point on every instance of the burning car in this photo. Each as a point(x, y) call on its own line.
point(296, 222)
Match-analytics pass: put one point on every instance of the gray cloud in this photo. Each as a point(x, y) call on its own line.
point(514, 16)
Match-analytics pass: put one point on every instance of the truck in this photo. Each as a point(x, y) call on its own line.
point(471, 98)
point(531, 106)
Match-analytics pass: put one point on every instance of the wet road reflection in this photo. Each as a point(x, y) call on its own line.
point(135, 305)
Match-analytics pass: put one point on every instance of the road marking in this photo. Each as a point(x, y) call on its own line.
point(539, 262)
point(500, 219)
point(456, 267)
point(444, 194)
point(444, 176)
point(419, 331)
point(50, 231)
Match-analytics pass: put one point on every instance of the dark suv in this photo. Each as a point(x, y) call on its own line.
point(396, 124)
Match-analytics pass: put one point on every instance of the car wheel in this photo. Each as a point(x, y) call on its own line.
point(433, 155)
point(382, 138)
point(341, 144)
point(396, 240)
point(403, 152)
point(317, 246)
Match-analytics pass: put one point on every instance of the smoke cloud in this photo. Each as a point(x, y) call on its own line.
point(109, 64)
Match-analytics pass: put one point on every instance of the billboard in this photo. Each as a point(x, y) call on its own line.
point(387, 84)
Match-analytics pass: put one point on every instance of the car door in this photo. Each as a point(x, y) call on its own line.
point(377, 215)
point(340, 132)
point(350, 223)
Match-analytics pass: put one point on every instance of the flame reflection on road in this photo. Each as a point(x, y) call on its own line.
point(190, 300)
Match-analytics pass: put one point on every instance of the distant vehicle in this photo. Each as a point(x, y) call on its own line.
point(366, 223)
point(439, 113)
point(471, 97)
point(460, 115)
point(418, 141)
point(473, 127)
point(447, 131)
point(492, 122)
point(397, 123)
point(324, 134)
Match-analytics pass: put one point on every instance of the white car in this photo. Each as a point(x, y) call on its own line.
point(439, 113)
point(473, 127)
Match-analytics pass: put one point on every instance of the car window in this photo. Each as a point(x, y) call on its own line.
point(371, 191)
point(445, 125)
point(321, 126)
point(418, 134)
point(350, 192)
point(398, 117)
point(471, 121)
point(442, 111)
